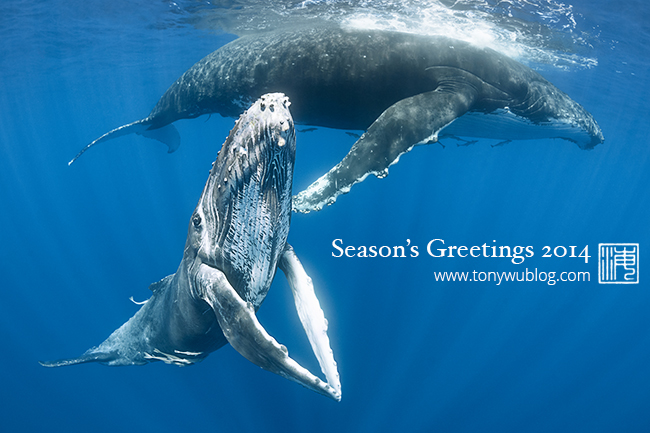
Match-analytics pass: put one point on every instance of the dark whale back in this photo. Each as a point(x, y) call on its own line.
point(346, 79)
point(335, 78)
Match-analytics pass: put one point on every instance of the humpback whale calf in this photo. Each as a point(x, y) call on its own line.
point(236, 240)
point(402, 89)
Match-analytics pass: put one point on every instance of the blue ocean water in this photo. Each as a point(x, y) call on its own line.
point(414, 354)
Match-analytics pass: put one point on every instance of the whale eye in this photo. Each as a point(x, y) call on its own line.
point(196, 220)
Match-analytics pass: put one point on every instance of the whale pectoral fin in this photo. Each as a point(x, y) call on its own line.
point(90, 356)
point(161, 285)
point(168, 135)
point(411, 121)
point(244, 332)
point(311, 315)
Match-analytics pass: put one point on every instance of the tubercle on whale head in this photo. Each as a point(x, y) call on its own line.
point(258, 155)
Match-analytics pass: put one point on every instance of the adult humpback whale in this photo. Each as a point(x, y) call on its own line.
point(403, 89)
point(237, 237)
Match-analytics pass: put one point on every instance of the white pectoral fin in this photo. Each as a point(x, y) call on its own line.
point(406, 123)
point(245, 333)
point(311, 315)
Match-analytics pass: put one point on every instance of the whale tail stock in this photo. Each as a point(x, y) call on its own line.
point(90, 356)
point(168, 134)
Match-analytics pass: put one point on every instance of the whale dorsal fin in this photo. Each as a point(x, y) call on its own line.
point(160, 285)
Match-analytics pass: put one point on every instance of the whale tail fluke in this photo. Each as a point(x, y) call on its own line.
point(103, 357)
point(168, 134)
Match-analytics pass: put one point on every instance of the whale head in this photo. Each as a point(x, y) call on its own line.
point(241, 223)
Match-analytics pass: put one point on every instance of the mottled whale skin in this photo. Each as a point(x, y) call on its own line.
point(236, 240)
point(402, 89)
